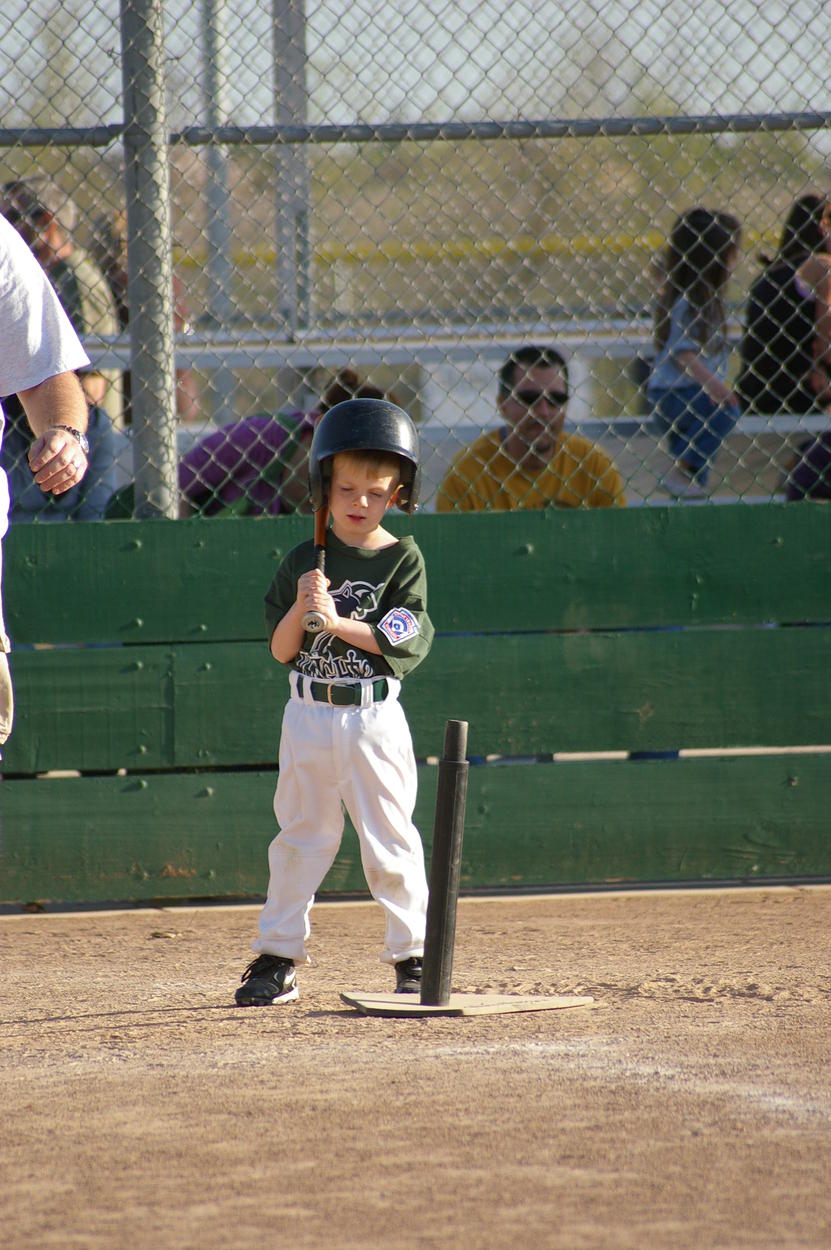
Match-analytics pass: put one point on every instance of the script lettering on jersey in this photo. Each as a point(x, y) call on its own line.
point(322, 665)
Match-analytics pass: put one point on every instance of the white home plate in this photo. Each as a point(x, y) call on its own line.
point(460, 1004)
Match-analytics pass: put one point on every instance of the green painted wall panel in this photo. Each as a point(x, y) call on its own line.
point(229, 704)
point(100, 838)
point(633, 691)
point(145, 708)
point(92, 708)
point(194, 580)
point(206, 705)
point(111, 838)
point(741, 818)
point(195, 689)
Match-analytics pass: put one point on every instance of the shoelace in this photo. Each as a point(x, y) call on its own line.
point(263, 964)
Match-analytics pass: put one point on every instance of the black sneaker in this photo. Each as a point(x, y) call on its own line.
point(408, 976)
point(267, 979)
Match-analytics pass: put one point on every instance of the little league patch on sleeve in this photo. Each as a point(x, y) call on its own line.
point(399, 625)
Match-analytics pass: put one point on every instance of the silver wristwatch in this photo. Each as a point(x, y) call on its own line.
point(83, 441)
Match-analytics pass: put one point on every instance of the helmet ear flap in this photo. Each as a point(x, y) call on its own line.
point(410, 483)
point(364, 425)
point(318, 484)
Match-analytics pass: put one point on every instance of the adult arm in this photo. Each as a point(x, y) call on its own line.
point(40, 351)
point(718, 391)
point(55, 457)
point(682, 346)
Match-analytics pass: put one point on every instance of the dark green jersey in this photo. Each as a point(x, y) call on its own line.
point(386, 588)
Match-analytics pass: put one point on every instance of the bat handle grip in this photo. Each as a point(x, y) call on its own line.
point(313, 622)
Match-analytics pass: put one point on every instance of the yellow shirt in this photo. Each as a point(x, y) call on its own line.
point(484, 478)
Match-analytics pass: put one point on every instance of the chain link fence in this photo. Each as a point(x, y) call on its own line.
point(260, 208)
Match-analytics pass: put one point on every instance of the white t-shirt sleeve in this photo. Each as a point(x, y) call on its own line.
point(37, 337)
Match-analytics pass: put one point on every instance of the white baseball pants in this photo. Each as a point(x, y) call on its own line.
point(361, 758)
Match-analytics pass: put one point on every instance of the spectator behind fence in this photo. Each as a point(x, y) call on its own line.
point(257, 466)
point(786, 348)
point(530, 462)
point(40, 352)
point(109, 249)
point(810, 474)
point(46, 218)
point(689, 390)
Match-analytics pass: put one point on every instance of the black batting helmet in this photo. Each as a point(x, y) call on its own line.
point(364, 425)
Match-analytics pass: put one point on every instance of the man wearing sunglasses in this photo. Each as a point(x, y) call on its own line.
point(530, 462)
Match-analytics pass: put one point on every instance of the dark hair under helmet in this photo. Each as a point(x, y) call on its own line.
point(364, 425)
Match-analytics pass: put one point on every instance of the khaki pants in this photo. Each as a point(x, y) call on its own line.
point(6, 697)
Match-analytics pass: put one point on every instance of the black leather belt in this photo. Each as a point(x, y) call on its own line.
point(339, 695)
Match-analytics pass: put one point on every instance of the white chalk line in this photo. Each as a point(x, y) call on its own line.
point(604, 1061)
point(609, 1062)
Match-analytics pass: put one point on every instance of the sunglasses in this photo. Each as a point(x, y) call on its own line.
point(554, 399)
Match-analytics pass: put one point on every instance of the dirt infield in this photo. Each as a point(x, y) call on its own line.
point(691, 1110)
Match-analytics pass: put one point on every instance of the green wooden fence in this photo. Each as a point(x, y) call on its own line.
point(143, 759)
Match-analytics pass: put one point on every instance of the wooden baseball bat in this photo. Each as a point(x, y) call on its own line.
point(312, 621)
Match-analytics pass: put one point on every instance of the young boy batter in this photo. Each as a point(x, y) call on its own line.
point(345, 739)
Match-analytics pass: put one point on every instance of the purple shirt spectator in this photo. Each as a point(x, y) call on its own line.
point(244, 464)
point(810, 478)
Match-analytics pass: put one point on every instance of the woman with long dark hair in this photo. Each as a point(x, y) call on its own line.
point(688, 389)
point(786, 349)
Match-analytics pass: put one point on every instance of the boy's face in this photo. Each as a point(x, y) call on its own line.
point(358, 498)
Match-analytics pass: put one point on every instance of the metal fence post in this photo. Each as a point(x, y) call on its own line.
point(218, 225)
point(150, 275)
point(291, 168)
